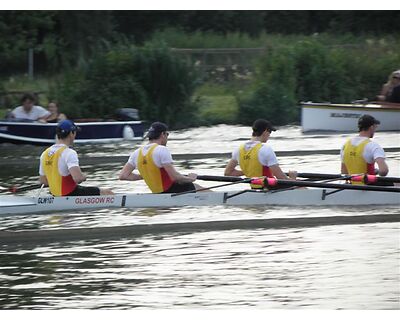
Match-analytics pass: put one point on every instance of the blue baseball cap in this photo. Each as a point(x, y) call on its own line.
point(67, 126)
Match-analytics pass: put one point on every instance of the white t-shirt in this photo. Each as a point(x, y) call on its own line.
point(68, 159)
point(372, 150)
point(36, 113)
point(161, 155)
point(266, 155)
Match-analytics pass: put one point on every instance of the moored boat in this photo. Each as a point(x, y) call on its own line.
point(38, 133)
point(344, 117)
point(299, 197)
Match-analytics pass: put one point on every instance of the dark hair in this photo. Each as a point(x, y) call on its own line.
point(156, 129)
point(260, 125)
point(366, 121)
point(28, 96)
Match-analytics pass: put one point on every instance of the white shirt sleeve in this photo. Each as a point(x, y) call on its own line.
point(342, 152)
point(133, 158)
point(235, 155)
point(373, 151)
point(41, 171)
point(71, 158)
point(41, 112)
point(162, 156)
point(267, 156)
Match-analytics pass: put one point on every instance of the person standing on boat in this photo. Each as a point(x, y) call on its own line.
point(28, 111)
point(155, 165)
point(255, 157)
point(59, 166)
point(359, 154)
point(55, 115)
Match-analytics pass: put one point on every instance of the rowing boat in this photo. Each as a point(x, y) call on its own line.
point(10, 205)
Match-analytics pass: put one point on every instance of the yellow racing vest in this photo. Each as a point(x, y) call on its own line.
point(59, 185)
point(157, 179)
point(354, 160)
point(249, 163)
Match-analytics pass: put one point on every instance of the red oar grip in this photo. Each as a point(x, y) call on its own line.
point(370, 178)
point(258, 181)
point(365, 178)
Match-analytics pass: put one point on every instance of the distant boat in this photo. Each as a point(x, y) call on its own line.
point(92, 131)
point(343, 117)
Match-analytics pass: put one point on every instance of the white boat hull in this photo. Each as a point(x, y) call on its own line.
point(300, 197)
point(344, 117)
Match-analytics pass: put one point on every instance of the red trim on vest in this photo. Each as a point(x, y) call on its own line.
point(371, 168)
point(266, 172)
point(67, 185)
point(166, 179)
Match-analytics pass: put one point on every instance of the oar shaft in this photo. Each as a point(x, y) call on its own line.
point(14, 189)
point(220, 178)
point(298, 183)
point(343, 177)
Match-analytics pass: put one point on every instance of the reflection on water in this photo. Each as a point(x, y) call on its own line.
point(315, 268)
point(344, 266)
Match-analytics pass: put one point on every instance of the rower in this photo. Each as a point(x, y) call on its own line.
point(359, 154)
point(255, 157)
point(155, 165)
point(59, 166)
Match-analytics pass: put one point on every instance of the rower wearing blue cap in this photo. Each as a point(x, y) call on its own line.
point(59, 166)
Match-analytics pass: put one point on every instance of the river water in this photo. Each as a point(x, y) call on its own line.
point(326, 267)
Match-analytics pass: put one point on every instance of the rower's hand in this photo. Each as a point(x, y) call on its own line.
point(192, 176)
point(292, 174)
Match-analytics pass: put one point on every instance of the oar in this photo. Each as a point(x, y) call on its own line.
point(298, 183)
point(366, 178)
point(241, 180)
point(369, 179)
point(15, 189)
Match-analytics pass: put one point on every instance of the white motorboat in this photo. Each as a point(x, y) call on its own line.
point(344, 117)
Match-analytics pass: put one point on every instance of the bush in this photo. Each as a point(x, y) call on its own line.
point(309, 71)
point(150, 79)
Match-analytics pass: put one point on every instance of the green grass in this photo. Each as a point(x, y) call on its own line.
point(219, 109)
point(218, 104)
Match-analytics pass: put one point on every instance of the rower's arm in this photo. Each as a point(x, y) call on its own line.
point(279, 174)
point(43, 180)
point(176, 176)
point(127, 174)
point(382, 166)
point(230, 169)
point(344, 169)
point(77, 174)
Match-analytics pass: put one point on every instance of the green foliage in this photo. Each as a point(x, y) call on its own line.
point(218, 109)
point(311, 71)
point(150, 79)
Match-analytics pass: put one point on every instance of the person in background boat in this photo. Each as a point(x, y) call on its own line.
point(59, 166)
point(155, 165)
point(255, 157)
point(359, 154)
point(28, 110)
point(391, 90)
point(55, 115)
